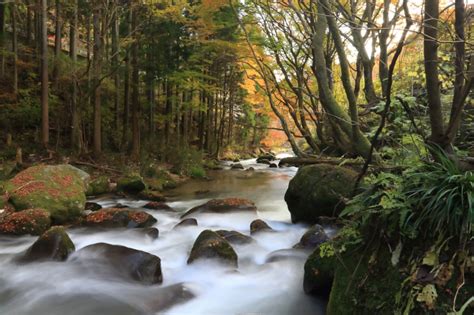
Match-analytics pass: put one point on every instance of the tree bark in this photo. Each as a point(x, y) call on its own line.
point(44, 76)
point(97, 65)
point(76, 134)
point(14, 15)
point(135, 90)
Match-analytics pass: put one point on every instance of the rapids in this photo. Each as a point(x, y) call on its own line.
point(257, 287)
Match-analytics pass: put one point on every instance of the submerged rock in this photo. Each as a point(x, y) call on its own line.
point(259, 226)
point(58, 189)
point(132, 184)
point(319, 190)
point(286, 254)
point(157, 205)
point(150, 232)
point(209, 245)
point(187, 222)
point(31, 221)
point(266, 158)
point(237, 166)
point(113, 218)
point(223, 206)
point(54, 244)
point(273, 165)
point(152, 195)
point(170, 296)
point(129, 263)
point(313, 237)
point(235, 237)
point(92, 206)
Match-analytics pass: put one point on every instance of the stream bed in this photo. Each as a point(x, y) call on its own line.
point(268, 280)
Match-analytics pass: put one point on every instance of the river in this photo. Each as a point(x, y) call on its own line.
point(259, 286)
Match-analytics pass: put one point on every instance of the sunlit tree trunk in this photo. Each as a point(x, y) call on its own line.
point(44, 75)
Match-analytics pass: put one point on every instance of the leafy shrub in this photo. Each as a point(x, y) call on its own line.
point(197, 171)
point(433, 198)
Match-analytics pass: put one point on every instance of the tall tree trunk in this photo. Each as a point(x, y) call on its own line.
point(29, 22)
point(57, 43)
point(115, 63)
point(44, 75)
point(126, 88)
point(135, 90)
point(76, 134)
point(14, 15)
point(2, 38)
point(97, 65)
point(168, 110)
point(431, 70)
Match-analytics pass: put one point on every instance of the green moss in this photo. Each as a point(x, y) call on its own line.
point(319, 273)
point(317, 190)
point(197, 172)
point(59, 189)
point(98, 186)
point(131, 184)
point(210, 245)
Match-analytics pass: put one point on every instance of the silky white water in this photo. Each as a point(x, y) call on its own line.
point(256, 287)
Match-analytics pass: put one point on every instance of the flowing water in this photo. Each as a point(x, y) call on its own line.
point(259, 286)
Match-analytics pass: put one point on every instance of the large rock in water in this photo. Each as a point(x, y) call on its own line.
point(116, 218)
point(58, 189)
point(133, 184)
point(125, 262)
point(318, 190)
point(223, 206)
point(209, 245)
point(319, 273)
point(31, 221)
point(313, 237)
point(54, 244)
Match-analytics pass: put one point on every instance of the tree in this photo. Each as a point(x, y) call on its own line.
point(44, 75)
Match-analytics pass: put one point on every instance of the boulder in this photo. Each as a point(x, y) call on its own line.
point(259, 226)
point(157, 205)
point(223, 206)
point(98, 186)
point(187, 222)
point(92, 206)
point(59, 189)
point(132, 184)
point(273, 165)
point(31, 221)
point(263, 161)
point(286, 255)
point(126, 262)
point(264, 158)
point(235, 237)
point(114, 218)
point(319, 273)
point(152, 195)
point(237, 166)
point(209, 245)
point(150, 232)
point(319, 190)
point(54, 244)
point(313, 237)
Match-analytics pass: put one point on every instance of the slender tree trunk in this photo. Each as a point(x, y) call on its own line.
point(57, 43)
point(2, 38)
point(168, 110)
point(44, 75)
point(14, 15)
point(115, 63)
point(135, 91)
point(76, 134)
point(431, 70)
point(97, 65)
point(29, 22)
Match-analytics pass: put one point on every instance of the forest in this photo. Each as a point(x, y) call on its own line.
point(236, 157)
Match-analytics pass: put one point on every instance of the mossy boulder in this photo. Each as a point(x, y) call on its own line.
point(123, 262)
point(151, 195)
point(98, 186)
point(30, 221)
point(58, 189)
point(319, 272)
point(223, 206)
point(259, 226)
point(313, 237)
point(54, 244)
point(132, 184)
point(235, 237)
point(319, 190)
point(115, 218)
point(209, 245)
